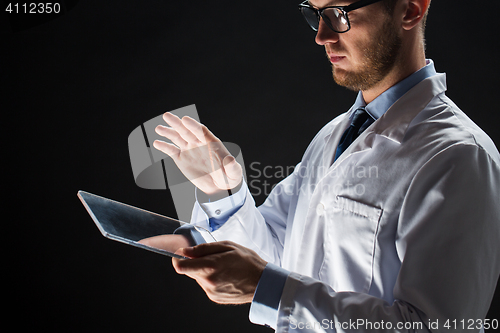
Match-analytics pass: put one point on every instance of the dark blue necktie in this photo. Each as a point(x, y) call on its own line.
point(360, 121)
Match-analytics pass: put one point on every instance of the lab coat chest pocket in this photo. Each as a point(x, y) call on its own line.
point(350, 244)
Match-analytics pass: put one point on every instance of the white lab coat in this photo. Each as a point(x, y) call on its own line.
point(403, 228)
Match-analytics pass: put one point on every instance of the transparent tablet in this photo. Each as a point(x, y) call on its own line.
point(129, 225)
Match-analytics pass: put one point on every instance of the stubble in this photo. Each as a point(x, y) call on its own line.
point(379, 59)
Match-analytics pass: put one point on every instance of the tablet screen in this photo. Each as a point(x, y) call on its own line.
point(129, 224)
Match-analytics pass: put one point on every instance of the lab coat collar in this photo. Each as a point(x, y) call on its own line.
point(385, 100)
point(393, 124)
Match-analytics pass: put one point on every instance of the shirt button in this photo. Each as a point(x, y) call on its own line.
point(320, 209)
point(217, 212)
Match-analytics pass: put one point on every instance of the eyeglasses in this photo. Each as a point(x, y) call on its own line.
point(335, 17)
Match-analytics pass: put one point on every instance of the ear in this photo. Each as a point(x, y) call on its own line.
point(414, 13)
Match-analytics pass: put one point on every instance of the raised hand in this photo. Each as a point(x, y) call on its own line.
point(199, 154)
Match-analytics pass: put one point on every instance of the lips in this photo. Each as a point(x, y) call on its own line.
point(335, 58)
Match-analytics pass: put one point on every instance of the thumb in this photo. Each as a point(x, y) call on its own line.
point(232, 169)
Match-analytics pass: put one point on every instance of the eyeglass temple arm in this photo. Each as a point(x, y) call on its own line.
point(359, 4)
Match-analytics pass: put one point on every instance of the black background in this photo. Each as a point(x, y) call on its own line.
point(74, 88)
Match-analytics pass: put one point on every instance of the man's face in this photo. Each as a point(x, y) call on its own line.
point(365, 54)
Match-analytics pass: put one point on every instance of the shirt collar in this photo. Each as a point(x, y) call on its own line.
point(385, 100)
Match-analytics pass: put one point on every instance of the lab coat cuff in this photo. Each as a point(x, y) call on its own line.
point(266, 300)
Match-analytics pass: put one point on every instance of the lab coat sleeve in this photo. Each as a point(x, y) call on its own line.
point(447, 240)
point(261, 229)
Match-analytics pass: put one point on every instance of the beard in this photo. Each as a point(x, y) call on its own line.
point(379, 59)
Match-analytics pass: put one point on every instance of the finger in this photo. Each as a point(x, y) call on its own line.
point(172, 135)
point(205, 258)
point(171, 118)
point(168, 148)
point(178, 126)
point(209, 136)
point(194, 268)
point(195, 127)
point(207, 249)
point(202, 132)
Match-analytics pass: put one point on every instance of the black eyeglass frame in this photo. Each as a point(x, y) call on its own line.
point(344, 9)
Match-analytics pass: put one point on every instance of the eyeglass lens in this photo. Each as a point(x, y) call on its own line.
point(335, 18)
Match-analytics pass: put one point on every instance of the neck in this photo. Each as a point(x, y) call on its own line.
point(410, 60)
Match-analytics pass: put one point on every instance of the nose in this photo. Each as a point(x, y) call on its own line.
point(325, 34)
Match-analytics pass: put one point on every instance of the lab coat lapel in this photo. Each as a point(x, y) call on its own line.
point(332, 140)
point(362, 143)
point(392, 125)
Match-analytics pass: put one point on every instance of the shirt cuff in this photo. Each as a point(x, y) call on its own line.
point(219, 211)
point(266, 300)
point(191, 233)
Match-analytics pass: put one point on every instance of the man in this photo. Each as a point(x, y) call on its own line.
point(391, 219)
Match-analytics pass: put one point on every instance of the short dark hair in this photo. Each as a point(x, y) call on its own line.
point(390, 5)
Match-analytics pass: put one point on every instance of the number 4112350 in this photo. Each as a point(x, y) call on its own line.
point(33, 8)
